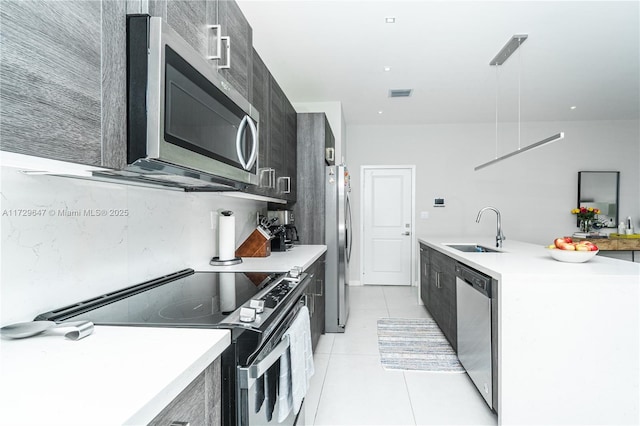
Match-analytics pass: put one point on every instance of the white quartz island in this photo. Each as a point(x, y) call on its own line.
point(568, 334)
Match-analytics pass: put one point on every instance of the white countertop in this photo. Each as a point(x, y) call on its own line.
point(117, 375)
point(279, 261)
point(518, 258)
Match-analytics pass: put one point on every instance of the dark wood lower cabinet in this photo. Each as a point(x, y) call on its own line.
point(424, 274)
point(438, 290)
point(315, 300)
point(199, 404)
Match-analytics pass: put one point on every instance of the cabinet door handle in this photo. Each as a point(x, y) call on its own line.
point(179, 423)
point(227, 43)
point(319, 283)
point(266, 171)
point(406, 233)
point(211, 29)
point(331, 154)
point(217, 55)
point(438, 280)
point(286, 179)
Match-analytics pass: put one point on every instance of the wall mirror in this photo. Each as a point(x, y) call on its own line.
point(600, 190)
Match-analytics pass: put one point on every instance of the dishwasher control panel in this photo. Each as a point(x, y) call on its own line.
point(476, 279)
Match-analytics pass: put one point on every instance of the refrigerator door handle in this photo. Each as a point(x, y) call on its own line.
point(348, 232)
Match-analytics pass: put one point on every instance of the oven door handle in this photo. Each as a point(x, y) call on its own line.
point(249, 374)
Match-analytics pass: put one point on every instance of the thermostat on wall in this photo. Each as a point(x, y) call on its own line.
point(438, 202)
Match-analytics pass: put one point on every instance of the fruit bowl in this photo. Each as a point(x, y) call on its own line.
point(571, 256)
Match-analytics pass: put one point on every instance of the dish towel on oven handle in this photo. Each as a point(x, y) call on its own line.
point(299, 357)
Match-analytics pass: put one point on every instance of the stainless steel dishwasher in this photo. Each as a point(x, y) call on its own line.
point(473, 298)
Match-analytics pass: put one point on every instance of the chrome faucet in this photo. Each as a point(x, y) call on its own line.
point(499, 235)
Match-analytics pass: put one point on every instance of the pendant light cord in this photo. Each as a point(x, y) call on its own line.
point(496, 111)
point(519, 89)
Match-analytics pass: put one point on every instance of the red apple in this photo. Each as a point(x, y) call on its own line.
point(568, 246)
point(562, 240)
point(593, 247)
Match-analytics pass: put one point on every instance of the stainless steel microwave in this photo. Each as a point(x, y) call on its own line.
point(185, 123)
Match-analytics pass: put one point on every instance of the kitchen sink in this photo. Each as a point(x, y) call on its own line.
point(472, 248)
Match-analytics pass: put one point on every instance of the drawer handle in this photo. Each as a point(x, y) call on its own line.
point(179, 423)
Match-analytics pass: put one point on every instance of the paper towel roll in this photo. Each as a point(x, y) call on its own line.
point(227, 237)
point(227, 292)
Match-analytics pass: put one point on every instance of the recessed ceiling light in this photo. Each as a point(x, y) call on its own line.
point(387, 69)
point(390, 20)
point(573, 107)
point(379, 112)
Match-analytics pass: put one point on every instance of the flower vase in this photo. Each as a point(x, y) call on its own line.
point(585, 225)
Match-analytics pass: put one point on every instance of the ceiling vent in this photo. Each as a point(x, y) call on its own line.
point(400, 93)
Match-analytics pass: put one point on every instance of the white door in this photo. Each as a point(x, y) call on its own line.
point(387, 210)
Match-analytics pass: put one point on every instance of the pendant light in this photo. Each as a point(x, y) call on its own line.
point(512, 45)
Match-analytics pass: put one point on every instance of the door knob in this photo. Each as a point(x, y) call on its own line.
point(406, 233)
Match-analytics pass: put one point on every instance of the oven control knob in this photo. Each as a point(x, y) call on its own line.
point(295, 272)
point(258, 305)
point(247, 314)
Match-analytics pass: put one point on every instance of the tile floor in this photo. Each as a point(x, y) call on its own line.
point(350, 387)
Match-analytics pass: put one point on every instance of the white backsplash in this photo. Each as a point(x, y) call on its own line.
point(65, 240)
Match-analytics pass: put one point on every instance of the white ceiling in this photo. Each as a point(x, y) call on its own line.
point(579, 53)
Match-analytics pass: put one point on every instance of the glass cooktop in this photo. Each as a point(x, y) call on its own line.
point(200, 299)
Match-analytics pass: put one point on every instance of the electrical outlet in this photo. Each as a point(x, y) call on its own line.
point(424, 215)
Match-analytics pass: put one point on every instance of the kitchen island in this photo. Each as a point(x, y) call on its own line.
point(568, 334)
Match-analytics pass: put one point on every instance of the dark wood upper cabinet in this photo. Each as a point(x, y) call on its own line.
point(68, 102)
point(260, 100)
point(51, 75)
point(237, 28)
point(314, 133)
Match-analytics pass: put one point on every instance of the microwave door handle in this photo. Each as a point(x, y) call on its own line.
point(254, 145)
point(239, 134)
point(254, 139)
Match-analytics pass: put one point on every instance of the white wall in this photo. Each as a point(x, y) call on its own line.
point(535, 191)
point(335, 117)
point(52, 260)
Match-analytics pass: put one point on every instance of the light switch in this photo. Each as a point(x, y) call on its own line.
point(424, 215)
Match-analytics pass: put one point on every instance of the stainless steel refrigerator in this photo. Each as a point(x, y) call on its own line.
point(338, 240)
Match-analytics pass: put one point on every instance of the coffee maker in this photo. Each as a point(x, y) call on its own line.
point(285, 232)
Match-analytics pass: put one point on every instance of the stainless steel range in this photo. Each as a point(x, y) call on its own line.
point(257, 307)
